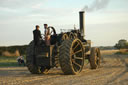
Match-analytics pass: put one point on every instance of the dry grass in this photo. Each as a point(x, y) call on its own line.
point(6, 53)
point(123, 50)
point(109, 52)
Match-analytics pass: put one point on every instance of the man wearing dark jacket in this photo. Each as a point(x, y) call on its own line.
point(37, 35)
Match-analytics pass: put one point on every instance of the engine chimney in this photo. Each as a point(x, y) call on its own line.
point(82, 23)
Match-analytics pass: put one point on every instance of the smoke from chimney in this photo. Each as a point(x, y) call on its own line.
point(96, 5)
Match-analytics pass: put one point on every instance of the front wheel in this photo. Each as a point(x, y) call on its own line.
point(95, 58)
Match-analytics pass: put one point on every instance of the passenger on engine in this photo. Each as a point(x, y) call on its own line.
point(47, 34)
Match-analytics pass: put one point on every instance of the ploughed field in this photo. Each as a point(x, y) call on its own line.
point(113, 71)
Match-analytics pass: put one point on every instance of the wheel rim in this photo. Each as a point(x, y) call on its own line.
point(65, 37)
point(77, 57)
point(97, 58)
point(71, 36)
point(44, 69)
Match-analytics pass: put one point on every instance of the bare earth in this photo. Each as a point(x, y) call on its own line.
point(113, 71)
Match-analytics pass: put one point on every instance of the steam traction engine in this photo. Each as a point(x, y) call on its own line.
point(67, 50)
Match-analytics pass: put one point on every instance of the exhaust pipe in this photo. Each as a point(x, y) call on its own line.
point(82, 23)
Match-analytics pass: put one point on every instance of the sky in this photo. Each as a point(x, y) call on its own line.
point(105, 24)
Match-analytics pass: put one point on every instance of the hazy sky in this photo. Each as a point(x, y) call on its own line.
point(105, 24)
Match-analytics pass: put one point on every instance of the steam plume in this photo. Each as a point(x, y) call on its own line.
point(96, 5)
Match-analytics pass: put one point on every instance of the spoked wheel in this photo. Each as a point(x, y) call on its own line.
point(34, 69)
point(71, 56)
point(38, 69)
point(44, 69)
point(65, 37)
point(72, 36)
point(95, 58)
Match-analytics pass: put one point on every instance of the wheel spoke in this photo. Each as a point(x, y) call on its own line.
point(78, 51)
point(77, 64)
point(73, 53)
point(76, 46)
point(79, 58)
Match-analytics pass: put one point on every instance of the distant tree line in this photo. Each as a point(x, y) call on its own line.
point(12, 49)
point(122, 44)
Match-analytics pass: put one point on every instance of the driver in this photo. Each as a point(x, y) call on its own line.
point(47, 34)
point(37, 35)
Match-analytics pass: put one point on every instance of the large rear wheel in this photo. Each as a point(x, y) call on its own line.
point(71, 56)
point(33, 68)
